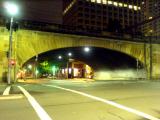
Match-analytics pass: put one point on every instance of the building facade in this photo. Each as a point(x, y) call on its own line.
point(151, 12)
point(110, 15)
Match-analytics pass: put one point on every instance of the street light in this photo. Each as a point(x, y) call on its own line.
point(69, 55)
point(59, 57)
point(86, 49)
point(12, 10)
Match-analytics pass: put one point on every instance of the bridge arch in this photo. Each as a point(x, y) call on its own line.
point(28, 43)
point(31, 43)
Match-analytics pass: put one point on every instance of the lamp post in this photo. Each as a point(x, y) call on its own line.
point(12, 10)
point(69, 55)
point(36, 65)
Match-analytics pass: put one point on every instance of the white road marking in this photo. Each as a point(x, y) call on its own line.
point(139, 113)
point(43, 115)
point(6, 91)
point(11, 97)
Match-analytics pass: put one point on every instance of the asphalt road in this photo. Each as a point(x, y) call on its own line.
point(80, 100)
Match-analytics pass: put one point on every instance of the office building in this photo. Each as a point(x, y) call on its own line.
point(110, 15)
point(151, 12)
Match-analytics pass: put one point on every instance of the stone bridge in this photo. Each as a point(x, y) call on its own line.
point(28, 43)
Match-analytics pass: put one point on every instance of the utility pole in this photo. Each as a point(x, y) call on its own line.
point(36, 61)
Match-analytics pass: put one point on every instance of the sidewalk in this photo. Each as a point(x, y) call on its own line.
point(45, 80)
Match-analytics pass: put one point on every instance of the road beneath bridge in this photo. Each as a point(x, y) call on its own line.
point(81, 100)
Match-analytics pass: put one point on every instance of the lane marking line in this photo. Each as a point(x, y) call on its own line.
point(43, 115)
point(139, 113)
point(7, 90)
point(11, 97)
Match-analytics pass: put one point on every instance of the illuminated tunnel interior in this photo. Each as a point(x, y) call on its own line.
point(99, 59)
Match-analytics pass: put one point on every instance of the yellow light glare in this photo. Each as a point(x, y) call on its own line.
point(75, 72)
point(110, 2)
point(151, 31)
point(135, 8)
point(139, 8)
point(130, 6)
point(93, 1)
point(104, 1)
point(98, 1)
point(125, 5)
point(150, 17)
point(120, 4)
point(115, 3)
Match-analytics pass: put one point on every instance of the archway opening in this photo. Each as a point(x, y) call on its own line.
point(104, 64)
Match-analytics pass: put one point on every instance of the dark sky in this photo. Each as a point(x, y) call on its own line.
point(98, 58)
point(40, 10)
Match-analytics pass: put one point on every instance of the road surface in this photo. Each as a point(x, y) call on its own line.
point(81, 100)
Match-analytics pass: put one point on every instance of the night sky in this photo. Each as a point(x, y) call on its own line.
point(39, 10)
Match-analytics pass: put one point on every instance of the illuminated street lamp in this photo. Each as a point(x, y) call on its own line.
point(59, 57)
point(69, 54)
point(12, 10)
point(86, 49)
point(30, 67)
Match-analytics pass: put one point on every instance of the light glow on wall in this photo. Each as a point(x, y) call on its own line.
point(75, 72)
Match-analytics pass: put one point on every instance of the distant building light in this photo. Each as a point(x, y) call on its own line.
point(115, 3)
point(130, 6)
point(93, 0)
point(104, 1)
point(75, 72)
point(70, 70)
point(135, 8)
point(98, 1)
point(125, 5)
point(63, 71)
point(150, 18)
point(120, 4)
point(110, 2)
point(151, 31)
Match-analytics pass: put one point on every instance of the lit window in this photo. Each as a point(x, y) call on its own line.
point(70, 70)
point(135, 8)
point(115, 4)
point(125, 5)
point(104, 1)
point(150, 17)
point(151, 31)
point(98, 1)
point(139, 8)
point(63, 71)
point(93, 1)
point(130, 6)
point(110, 2)
point(120, 4)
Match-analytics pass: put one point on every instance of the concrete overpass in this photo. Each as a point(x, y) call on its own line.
point(28, 43)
